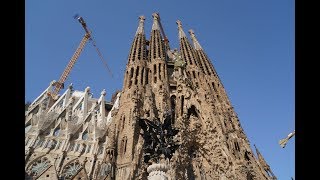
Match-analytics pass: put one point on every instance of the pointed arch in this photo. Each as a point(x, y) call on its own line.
point(130, 78)
point(27, 126)
point(123, 122)
point(85, 135)
point(84, 147)
point(173, 108)
point(125, 145)
point(181, 106)
point(193, 111)
point(56, 132)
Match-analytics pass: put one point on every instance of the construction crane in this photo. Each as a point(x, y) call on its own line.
point(284, 141)
point(60, 84)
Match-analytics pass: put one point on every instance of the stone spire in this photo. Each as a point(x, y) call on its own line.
point(156, 42)
point(138, 55)
point(203, 60)
point(155, 25)
point(208, 69)
point(186, 49)
point(138, 47)
point(140, 29)
point(196, 44)
point(213, 144)
point(181, 32)
point(263, 162)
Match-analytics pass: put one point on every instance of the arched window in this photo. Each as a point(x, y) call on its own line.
point(56, 132)
point(236, 145)
point(130, 78)
point(141, 80)
point(53, 144)
point(182, 104)
point(136, 77)
point(83, 150)
point(58, 145)
point(125, 145)
point(77, 147)
point(193, 111)
point(89, 148)
point(40, 143)
point(85, 135)
point(71, 146)
point(27, 128)
point(159, 71)
point(100, 150)
point(147, 76)
point(48, 144)
point(123, 122)
point(173, 107)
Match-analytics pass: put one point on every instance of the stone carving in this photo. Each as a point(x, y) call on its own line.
point(158, 139)
point(202, 146)
point(157, 172)
point(105, 169)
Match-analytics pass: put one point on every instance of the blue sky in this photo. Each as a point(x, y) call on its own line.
point(250, 43)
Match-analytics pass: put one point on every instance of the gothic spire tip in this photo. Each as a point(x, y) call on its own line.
point(155, 25)
point(155, 15)
point(141, 24)
point(181, 33)
point(142, 18)
point(196, 44)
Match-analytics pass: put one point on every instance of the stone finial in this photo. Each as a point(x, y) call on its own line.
point(181, 32)
point(179, 23)
point(191, 32)
point(194, 39)
point(155, 25)
point(141, 25)
point(87, 89)
point(103, 92)
point(155, 16)
point(142, 18)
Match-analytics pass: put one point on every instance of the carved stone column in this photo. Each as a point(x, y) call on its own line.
point(158, 172)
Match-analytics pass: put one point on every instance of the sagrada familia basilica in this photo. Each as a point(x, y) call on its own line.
point(77, 136)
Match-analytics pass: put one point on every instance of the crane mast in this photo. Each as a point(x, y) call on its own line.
point(284, 141)
point(60, 84)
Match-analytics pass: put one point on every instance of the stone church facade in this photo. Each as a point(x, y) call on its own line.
point(78, 136)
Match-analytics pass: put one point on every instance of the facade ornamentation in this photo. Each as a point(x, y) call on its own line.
point(79, 136)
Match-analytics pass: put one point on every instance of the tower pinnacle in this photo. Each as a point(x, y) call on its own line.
point(194, 39)
point(140, 29)
point(155, 25)
point(181, 32)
